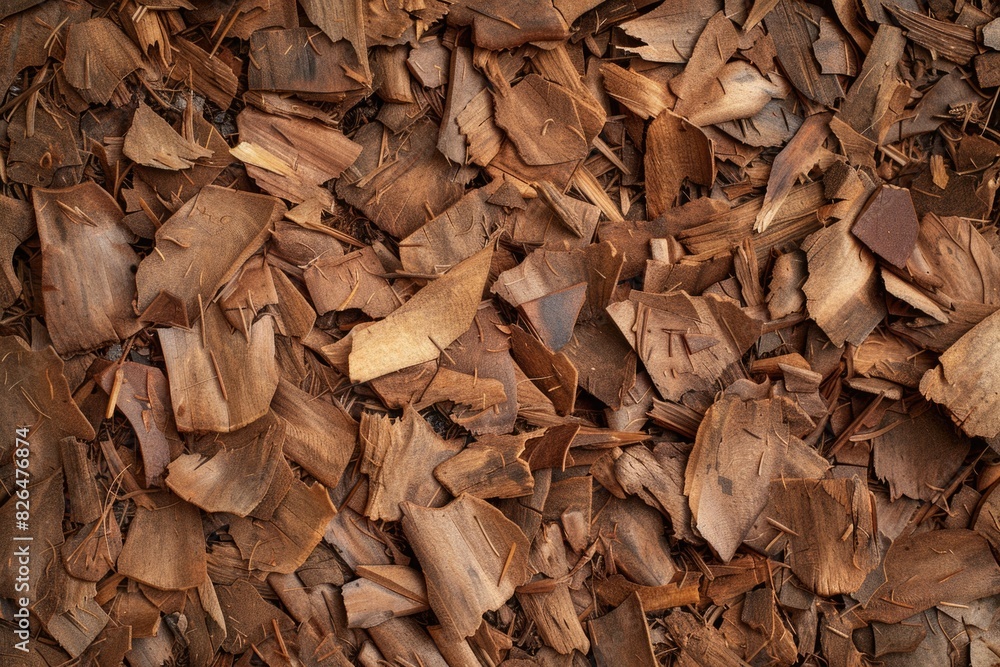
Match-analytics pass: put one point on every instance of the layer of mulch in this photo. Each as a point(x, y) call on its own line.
point(457, 333)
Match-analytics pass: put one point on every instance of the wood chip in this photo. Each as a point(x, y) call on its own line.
point(87, 303)
point(428, 323)
point(220, 379)
point(399, 458)
point(888, 225)
point(152, 142)
point(474, 538)
point(964, 381)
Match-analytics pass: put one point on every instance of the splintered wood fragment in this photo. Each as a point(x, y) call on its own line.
point(144, 398)
point(172, 188)
point(557, 202)
point(152, 142)
point(404, 639)
point(43, 147)
point(621, 637)
point(98, 56)
point(726, 230)
point(640, 551)
point(87, 303)
point(951, 258)
point(462, 230)
point(890, 357)
point(165, 547)
point(552, 372)
point(546, 271)
point(39, 394)
point(636, 404)
point(794, 28)
point(700, 644)
point(430, 62)
point(539, 224)
point(478, 394)
point(616, 589)
point(425, 325)
point(296, 60)
point(249, 292)
point(296, 315)
point(671, 30)
point(76, 628)
point(966, 381)
point(211, 358)
point(713, 89)
point(551, 449)
point(540, 117)
point(27, 36)
point(866, 107)
point(383, 592)
point(457, 549)
point(397, 578)
point(383, 187)
point(202, 246)
point(954, 257)
point(553, 316)
point(307, 153)
point(825, 511)
point(283, 542)
point(488, 468)
point(686, 343)
point(497, 27)
point(756, 625)
point(917, 454)
point(919, 571)
point(604, 361)
point(90, 552)
point(166, 309)
point(389, 68)
point(319, 435)
point(641, 95)
point(658, 478)
point(953, 41)
point(17, 225)
point(466, 82)
point(842, 289)
point(833, 50)
point(399, 458)
point(888, 225)
point(212, 77)
point(342, 20)
point(788, 275)
point(235, 479)
point(354, 280)
point(281, 104)
point(675, 150)
point(243, 607)
point(84, 502)
point(795, 160)
point(477, 123)
point(726, 501)
point(550, 606)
